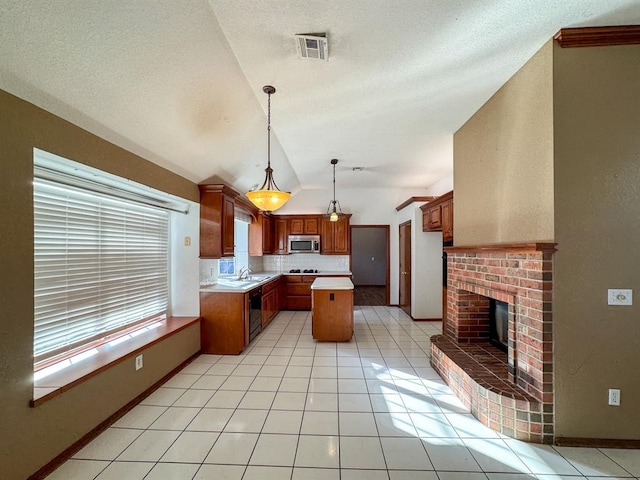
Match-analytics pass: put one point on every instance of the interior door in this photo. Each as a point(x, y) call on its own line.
point(404, 300)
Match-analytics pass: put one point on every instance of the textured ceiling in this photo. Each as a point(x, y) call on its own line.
point(180, 81)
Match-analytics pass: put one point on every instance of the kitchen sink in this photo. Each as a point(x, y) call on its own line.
point(239, 283)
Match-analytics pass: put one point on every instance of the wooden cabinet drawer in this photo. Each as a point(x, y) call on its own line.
point(299, 289)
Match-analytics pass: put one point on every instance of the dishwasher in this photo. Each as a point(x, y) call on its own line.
point(255, 312)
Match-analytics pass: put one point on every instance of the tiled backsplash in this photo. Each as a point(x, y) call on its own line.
point(281, 264)
point(209, 270)
point(305, 261)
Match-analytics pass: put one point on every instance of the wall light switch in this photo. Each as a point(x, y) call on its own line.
point(187, 241)
point(619, 296)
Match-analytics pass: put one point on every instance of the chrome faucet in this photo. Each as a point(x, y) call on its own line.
point(244, 273)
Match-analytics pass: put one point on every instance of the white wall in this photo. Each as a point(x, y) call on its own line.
point(185, 300)
point(426, 265)
point(426, 271)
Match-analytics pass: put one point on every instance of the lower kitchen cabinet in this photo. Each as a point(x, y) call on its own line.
point(224, 329)
point(299, 291)
point(271, 300)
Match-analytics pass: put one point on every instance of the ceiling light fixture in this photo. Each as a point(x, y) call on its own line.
point(334, 213)
point(268, 197)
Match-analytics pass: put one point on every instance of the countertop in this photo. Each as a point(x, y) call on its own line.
point(332, 283)
point(229, 285)
point(321, 273)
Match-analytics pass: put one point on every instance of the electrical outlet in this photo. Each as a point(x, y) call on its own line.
point(139, 362)
point(614, 397)
point(620, 296)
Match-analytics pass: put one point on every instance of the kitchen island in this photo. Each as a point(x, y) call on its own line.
point(332, 309)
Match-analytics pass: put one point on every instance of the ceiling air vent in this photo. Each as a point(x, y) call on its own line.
point(312, 45)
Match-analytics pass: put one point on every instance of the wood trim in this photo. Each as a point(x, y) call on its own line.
point(67, 379)
point(598, 36)
point(504, 247)
point(437, 201)
point(244, 204)
point(596, 442)
point(102, 426)
point(218, 188)
point(426, 319)
point(409, 201)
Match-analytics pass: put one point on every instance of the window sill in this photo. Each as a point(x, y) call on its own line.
point(47, 388)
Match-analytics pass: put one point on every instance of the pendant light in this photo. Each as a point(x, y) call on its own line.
point(334, 212)
point(268, 197)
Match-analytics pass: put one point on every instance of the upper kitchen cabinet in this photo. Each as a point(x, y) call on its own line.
point(437, 216)
point(217, 204)
point(336, 236)
point(280, 235)
point(304, 225)
point(261, 235)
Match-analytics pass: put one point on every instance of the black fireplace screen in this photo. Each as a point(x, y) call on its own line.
point(499, 323)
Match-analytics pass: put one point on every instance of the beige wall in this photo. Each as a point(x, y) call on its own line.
point(597, 227)
point(503, 162)
point(31, 437)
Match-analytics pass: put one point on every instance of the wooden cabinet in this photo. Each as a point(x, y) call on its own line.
point(304, 225)
point(217, 203)
point(447, 220)
point(336, 236)
point(332, 317)
point(271, 300)
point(299, 291)
point(437, 216)
point(224, 329)
point(261, 236)
point(280, 236)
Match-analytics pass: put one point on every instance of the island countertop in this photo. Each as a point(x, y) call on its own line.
point(332, 283)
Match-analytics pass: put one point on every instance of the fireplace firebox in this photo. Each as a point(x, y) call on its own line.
point(499, 324)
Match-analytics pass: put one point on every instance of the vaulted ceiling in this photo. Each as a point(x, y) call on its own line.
point(179, 82)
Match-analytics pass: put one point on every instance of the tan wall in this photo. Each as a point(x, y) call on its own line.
point(503, 167)
point(597, 227)
point(31, 437)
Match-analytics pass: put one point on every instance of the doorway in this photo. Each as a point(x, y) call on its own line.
point(370, 264)
point(404, 299)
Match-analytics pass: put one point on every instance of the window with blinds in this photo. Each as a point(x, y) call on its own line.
point(101, 266)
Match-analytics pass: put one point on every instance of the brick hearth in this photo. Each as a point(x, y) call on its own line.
point(515, 397)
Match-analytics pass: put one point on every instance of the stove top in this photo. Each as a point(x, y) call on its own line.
point(297, 270)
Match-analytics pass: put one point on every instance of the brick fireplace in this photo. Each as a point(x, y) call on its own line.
point(509, 392)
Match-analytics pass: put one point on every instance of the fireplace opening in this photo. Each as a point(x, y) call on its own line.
point(499, 324)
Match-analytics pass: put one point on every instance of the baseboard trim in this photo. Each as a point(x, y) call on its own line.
point(426, 319)
point(597, 442)
point(82, 442)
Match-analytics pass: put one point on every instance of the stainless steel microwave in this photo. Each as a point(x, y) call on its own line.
point(304, 243)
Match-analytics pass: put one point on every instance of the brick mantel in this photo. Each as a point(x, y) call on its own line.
point(504, 247)
point(520, 274)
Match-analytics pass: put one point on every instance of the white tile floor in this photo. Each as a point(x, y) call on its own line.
point(291, 408)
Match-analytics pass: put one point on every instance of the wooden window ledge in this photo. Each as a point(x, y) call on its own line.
point(49, 387)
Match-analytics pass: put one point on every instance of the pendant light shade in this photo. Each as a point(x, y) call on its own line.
point(334, 212)
point(268, 197)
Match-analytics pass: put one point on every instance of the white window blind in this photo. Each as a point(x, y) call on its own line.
point(101, 265)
